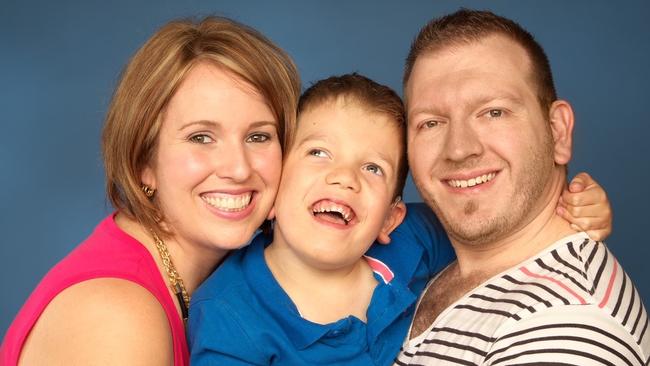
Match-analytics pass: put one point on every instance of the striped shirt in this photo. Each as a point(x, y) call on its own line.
point(572, 304)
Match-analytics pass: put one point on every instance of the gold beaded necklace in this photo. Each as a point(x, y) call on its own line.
point(175, 280)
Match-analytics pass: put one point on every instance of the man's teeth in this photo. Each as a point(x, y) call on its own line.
point(228, 202)
point(345, 212)
point(457, 183)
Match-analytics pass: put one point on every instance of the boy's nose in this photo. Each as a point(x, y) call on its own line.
point(344, 177)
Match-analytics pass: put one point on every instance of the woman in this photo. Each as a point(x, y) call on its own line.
point(192, 149)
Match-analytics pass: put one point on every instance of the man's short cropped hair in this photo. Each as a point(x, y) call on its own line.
point(467, 26)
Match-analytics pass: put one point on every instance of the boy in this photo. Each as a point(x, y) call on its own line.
point(310, 296)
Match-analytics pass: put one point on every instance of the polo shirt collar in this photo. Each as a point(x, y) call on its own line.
point(275, 300)
point(390, 300)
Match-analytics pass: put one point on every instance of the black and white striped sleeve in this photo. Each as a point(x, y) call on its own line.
point(567, 335)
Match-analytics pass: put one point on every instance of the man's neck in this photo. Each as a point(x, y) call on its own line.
point(545, 228)
point(478, 263)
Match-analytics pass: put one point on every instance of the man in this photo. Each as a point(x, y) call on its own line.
point(488, 146)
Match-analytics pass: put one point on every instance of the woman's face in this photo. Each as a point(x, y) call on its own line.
point(217, 165)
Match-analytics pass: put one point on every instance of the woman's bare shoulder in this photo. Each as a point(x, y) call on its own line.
point(101, 321)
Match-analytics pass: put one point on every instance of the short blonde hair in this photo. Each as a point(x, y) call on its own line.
point(153, 75)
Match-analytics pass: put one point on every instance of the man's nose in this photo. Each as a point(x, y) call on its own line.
point(462, 141)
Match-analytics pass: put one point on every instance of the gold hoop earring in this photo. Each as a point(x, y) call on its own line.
point(148, 191)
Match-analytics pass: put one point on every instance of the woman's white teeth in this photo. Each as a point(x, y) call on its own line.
point(229, 202)
point(458, 183)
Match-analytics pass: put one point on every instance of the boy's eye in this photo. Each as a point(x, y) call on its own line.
point(258, 137)
point(374, 169)
point(318, 153)
point(201, 138)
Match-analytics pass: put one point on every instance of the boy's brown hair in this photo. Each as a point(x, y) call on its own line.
point(374, 97)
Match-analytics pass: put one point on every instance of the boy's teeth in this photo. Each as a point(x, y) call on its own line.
point(458, 183)
point(345, 211)
point(229, 202)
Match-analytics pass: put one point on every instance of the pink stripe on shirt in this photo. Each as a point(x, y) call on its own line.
point(560, 284)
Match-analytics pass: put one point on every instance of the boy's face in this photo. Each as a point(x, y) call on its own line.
point(338, 183)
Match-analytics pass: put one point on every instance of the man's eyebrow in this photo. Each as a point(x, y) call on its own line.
point(428, 110)
point(505, 96)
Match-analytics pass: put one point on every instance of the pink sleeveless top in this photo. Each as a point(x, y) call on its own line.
point(107, 252)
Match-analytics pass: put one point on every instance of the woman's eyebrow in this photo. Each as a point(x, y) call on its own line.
point(215, 124)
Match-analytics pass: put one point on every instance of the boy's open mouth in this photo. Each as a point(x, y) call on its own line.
point(333, 212)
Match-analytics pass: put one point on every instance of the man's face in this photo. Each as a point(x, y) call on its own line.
point(479, 144)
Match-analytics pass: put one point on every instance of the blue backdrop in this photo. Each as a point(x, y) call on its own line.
point(59, 62)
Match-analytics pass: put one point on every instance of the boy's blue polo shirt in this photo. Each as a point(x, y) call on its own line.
point(241, 315)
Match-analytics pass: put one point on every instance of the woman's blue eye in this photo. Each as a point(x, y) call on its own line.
point(374, 169)
point(201, 139)
point(258, 137)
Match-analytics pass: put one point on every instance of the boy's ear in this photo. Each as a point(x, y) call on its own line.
point(393, 219)
point(271, 214)
point(561, 120)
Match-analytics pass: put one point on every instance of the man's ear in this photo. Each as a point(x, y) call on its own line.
point(393, 219)
point(561, 120)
